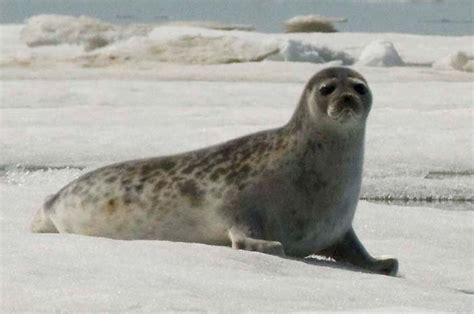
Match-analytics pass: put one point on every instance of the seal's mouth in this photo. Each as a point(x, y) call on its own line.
point(345, 107)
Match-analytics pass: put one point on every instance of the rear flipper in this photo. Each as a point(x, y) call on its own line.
point(349, 249)
point(242, 242)
point(41, 222)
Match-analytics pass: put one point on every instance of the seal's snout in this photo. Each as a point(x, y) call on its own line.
point(345, 106)
point(347, 100)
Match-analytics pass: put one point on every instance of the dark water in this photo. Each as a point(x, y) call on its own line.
point(447, 205)
point(446, 17)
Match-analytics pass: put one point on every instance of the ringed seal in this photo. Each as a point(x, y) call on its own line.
point(291, 190)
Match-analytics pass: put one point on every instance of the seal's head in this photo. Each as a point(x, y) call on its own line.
point(338, 95)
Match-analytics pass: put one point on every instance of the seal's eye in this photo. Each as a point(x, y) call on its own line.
point(360, 88)
point(326, 89)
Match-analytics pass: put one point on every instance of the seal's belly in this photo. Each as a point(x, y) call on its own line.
point(114, 216)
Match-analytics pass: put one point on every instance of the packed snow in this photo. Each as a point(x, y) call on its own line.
point(43, 30)
point(299, 51)
point(192, 47)
point(380, 54)
point(79, 40)
point(62, 113)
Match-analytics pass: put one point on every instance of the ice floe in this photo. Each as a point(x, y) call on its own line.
point(380, 54)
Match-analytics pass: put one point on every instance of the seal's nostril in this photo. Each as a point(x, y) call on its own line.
point(346, 98)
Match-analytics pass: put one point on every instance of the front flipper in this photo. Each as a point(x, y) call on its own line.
point(242, 242)
point(349, 249)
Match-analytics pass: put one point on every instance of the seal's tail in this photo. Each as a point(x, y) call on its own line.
point(41, 222)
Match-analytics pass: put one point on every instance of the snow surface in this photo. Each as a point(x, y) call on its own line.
point(58, 110)
point(51, 272)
